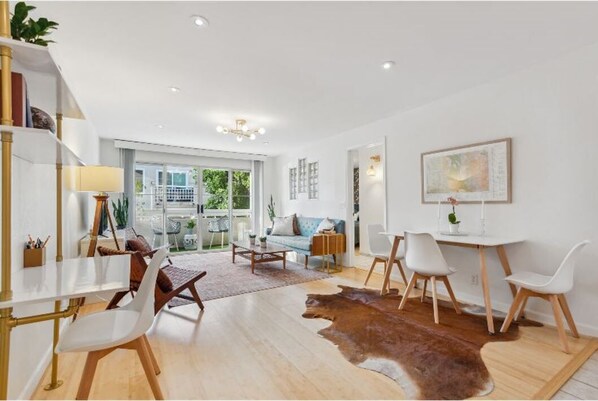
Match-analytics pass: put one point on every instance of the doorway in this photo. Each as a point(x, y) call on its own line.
point(192, 208)
point(367, 196)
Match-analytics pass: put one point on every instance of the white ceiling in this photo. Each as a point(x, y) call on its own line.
point(302, 70)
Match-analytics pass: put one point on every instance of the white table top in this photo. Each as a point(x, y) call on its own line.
point(473, 240)
point(71, 278)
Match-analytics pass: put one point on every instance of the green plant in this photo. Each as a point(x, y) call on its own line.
point(271, 213)
point(191, 224)
point(215, 183)
point(121, 212)
point(252, 236)
point(452, 217)
point(263, 239)
point(25, 28)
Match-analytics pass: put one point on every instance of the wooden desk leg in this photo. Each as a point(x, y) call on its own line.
point(389, 264)
point(486, 289)
point(504, 261)
point(252, 262)
point(234, 249)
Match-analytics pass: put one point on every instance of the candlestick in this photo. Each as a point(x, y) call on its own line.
point(483, 211)
point(438, 218)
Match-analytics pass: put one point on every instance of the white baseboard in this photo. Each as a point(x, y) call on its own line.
point(546, 319)
point(38, 373)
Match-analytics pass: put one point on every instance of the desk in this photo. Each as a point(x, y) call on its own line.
point(56, 281)
point(467, 241)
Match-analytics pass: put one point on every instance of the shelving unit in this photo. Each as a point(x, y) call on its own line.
point(40, 59)
point(36, 146)
point(40, 146)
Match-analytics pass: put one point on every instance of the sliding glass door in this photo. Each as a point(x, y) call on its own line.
point(181, 207)
point(192, 208)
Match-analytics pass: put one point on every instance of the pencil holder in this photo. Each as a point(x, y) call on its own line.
point(34, 257)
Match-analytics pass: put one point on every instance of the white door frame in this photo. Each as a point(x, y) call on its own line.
point(350, 226)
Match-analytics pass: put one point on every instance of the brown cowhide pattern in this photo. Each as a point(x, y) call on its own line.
point(427, 360)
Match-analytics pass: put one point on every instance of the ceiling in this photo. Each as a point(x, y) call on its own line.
point(303, 71)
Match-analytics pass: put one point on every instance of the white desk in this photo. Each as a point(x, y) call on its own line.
point(71, 278)
point(467, 241)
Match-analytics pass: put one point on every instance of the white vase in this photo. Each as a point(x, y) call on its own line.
point(454, 228)
point(252, 241)
point(263, 244)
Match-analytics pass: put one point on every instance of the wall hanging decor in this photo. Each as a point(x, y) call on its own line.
point(477, 172)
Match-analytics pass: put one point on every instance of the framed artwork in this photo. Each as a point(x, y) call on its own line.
point(471, 173)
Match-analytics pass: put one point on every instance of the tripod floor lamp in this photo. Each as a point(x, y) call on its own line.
point(101, 180)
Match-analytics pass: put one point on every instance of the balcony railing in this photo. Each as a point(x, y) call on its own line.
point(182, 194)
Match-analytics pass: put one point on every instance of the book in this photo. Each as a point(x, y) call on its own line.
point(19, 100)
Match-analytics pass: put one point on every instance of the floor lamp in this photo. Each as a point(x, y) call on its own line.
point(101, 180)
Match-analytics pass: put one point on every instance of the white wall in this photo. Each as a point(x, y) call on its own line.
point(550, 111)
point(371, 193)
point(34, 212)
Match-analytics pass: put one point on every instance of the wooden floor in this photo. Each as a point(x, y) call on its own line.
point(257, 346)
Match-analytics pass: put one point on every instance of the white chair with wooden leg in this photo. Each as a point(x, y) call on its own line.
point(550, 288)
point(380, 249)
point(103, 332)
point(424, 258)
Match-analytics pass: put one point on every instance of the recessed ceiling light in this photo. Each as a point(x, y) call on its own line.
point(266, 143)
point(174, 89)
point(159, 126)
point(387, 65)
point(199, 21)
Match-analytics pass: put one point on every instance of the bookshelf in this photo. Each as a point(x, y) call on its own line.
point(36, 146)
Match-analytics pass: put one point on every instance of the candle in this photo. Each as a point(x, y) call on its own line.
point(483, 204)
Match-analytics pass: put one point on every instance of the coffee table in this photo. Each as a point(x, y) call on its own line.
point(257, 254)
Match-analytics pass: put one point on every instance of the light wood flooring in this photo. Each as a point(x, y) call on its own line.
point(257, 346)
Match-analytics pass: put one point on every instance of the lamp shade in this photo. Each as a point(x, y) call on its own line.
point(100, 179)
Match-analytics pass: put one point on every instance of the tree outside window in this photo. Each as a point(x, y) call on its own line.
point(215, 183)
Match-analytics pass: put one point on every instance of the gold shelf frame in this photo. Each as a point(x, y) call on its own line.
point(7, 320)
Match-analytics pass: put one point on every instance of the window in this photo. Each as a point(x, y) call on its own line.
point(139, 186)
point(175, 179)
point(241, 190)
point(293, 183)
point(312, 177)
point(302, 183)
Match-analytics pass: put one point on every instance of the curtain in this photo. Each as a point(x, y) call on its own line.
point(127, 161)
point(257, 194)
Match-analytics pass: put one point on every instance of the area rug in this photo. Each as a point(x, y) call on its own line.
point(225, 279)
point(427, 360)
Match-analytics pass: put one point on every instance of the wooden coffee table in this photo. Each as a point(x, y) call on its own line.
point(256, 254)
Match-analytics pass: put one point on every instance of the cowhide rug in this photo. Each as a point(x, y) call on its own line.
point(428, 361)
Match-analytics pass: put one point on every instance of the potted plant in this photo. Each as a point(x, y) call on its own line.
point(252, 239)
point(190, 226)
point(121, 212)
point(452, 217)
point(271, 213)
point(26, 29)
point(263, 242)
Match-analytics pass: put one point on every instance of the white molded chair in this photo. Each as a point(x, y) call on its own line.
point(424, 258)
point(380, 248)
point(550, 288)
point(103, 332)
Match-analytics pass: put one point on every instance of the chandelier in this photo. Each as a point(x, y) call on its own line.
point(241, 130)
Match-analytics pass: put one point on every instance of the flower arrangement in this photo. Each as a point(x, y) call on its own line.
point(452, 217)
